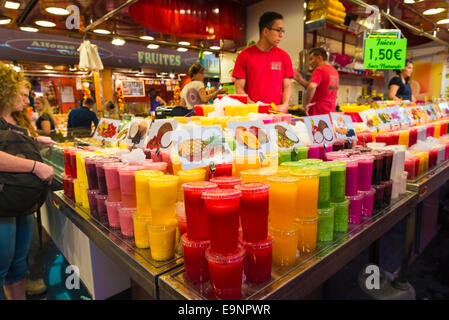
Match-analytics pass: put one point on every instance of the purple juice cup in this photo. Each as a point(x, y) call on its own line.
point(352, 177)
point(368, 202)
point(355, 208)
point(366, 163)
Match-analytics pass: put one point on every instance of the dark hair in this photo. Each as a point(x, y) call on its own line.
point(110, 105)
point(267, 20)
point(407, 61)
point(194, 69)
point(152, 94)
point(319, 52)
point(88, 102)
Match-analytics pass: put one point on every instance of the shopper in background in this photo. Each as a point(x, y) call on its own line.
point(83, 117)
point(16, 232)
point(321, 90)
point(110, 110)
point(46, 122)
point(155, 100)
point(264, 71)
point(399, 89)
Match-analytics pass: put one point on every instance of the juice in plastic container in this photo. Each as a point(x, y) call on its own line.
point(365, 172)
point(379, 196)
point(355, 208)
point(162, 241)
point(163, 193)
point(300, 153)
point(195, 262)
point(91, 171)
point(126, 221)
point(226, 182)
point(128, 185)
point(258, 260)
point(285, 245)
point(143, 190)
point(140, 224)
point(92, 202)
point(368, 202)
point(191, 175)
point(326, 224)
point(307, 201)
point(341, 216)
point(283, 197)
point(113, 180)
point(352, 176)
point(101, 208)
point(308, 229)
point(112, 210)
point(338, 180)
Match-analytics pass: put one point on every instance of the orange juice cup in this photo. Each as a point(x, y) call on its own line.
point(307, 204)
point(285, 245)
point(245, 163)
point(307, 234)
point(163, 191)
point(176, 163)
point(162, 240)
point(141, 238)
point(283, 201)
point(258, 175)
point(192, 175)
point(143, 190)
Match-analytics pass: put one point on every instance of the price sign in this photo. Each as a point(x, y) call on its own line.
point(385, 53)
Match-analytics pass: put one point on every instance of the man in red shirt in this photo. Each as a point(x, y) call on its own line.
point(263, 71)
point(321, 91)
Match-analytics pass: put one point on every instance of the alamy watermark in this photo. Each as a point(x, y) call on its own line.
point(73, 279)
point(73, 20)
point(373, 279)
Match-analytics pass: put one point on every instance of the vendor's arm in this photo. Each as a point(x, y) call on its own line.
point(240, 88)
point(162, 101)
point(392, 91)
point(286, 94)
point(300, 79)
point(10, 163)
point(310, 92)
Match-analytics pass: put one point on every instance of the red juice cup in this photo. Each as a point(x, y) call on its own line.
point(91, 196)
point(128, 185)
point(355, 208)
point(413, 138)
point(417, 163)
point(352, 177)
point(67, 185)
point(386, 164)
point(222, 213)
point(221, 170)
point(379, 196)
point(113, 180)
point(226, 182)
point(126, 221)
point(113, 217)
point(366, 163)
point(195, 211)
point(195, 262)
point(409, 166)
point(430, 130)
point(101, 208)
point(67, 165)
point(225, 272)
point(102, 187)
point(368, 202)
point(433, 156)
point(338, 145)
point(254, 210)
point(73, 162)
point(387, 191)
point(258, 260)
point(91, 171)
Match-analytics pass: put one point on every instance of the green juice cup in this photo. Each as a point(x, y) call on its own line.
point(341, 216)
point(292, 165)
point(301, 153)
point(338, 180)
point(324, 193)
point(326, 224)
point(285, 156)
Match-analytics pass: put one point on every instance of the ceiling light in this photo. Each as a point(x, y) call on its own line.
point(214, 48)
point(150, 38)
point(5, 20)
point(46, 24)
point(216, 10)
point(102, 31)
point(183, 49)
point(57, 11)
point(182, 11)
point(433, 11)
point(206, 53)
point(12, 5)
point(182, 74)
point(49, 67)
point(118, 41)
point(409, 1)
point(17, 68)
point(153, 46)
point(444, 21)
point(172, 75)
point(29, 29)
point(184, 43)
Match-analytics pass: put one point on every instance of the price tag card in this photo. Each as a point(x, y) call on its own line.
point(343, 126)
point(319, 129)
point(107, 129)
point(286, 137)
point(444, 109)
point(396, 115)
point(424, 113)
point(371, 119)
point(384, 115)
point(432, 112)
point(404, 117)
point(137, 131)
point(200, 146)
point(160, 134)
point(385, 53)
point(252, 137)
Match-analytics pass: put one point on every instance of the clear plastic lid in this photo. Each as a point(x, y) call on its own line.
point(305, 173)
point(192, 243)
point(140, 217)
point(221, 194)
point(366, 157)
point(236, 256)
point(283, 179)
point(164, 178)
point(200, 186)
point(253, 187)
point(224, 181)
point(167, 227)
point(336, 164)
point(293, 164)
point(326, 211)
point(114, 165)
point(191, 172)
point(324, 170)
point(379, 186)
point(147, 173)
point(259, 244)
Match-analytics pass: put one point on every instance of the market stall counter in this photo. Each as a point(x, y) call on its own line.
point(310, 270)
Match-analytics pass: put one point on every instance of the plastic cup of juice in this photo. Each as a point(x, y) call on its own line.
point(365, 172)
point(67, 184)
point(91, 171)
point(409, 166)
point(221, 169)
point(102, 187)
point(377, 168)
point(285, 156)
point(316, 152)
point(283, 198)
point(324, 191)
point(126, 221)
point(299, 153)
point(352, 176)
point(162, 241)
point(338, 180)
point(92, 202)
point(341, 216)
point(336, 155)
point(140, 224)
point(67, 166)
point(113, 180)
point(254, 210)
point(176, 163)
point(225, 272)
point(293, 165)
point(128, 185)
point(258, 260)
point(326, 224)
point(77, 192)
point(226, 182)
point(386, 165)
point(163, 193)
point(368, 202)
point(379, 196)
point(308, 229)
point(387, 191)
point(73, 172)
point(285, 245)
point(355, 208)
point(191, 175)
point(222, 214)
point(195, 262)
point(101, 208)
point(143, 190)
point(112, 210)
point(242, 163)
point(308, 188)
point(195, 210)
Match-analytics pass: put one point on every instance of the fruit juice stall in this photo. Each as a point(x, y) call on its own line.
point(154, 208)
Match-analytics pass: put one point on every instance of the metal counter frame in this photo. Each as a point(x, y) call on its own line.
point(310, 270)
point(137, 263)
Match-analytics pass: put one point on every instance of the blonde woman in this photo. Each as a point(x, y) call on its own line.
point(16, 232)
point(46, 122)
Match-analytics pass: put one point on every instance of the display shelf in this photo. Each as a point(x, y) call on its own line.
point(136, 262)
point(310, 270)
point(360, 75)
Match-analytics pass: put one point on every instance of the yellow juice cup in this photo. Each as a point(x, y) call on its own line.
point(307, 238)
point(180, 119)
point(307, 205)
point(257, 175)
point(84, 198)
point(143, 191)
point(176, 163)
point(77, 192)
point(163, 192)
point(192, 175)
point(437, 132)
point(285, 245)
point(404, 137)
point(162, 240)
point(208, 109)
point(245, 163)
point(283, 201)
point(141, 237)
